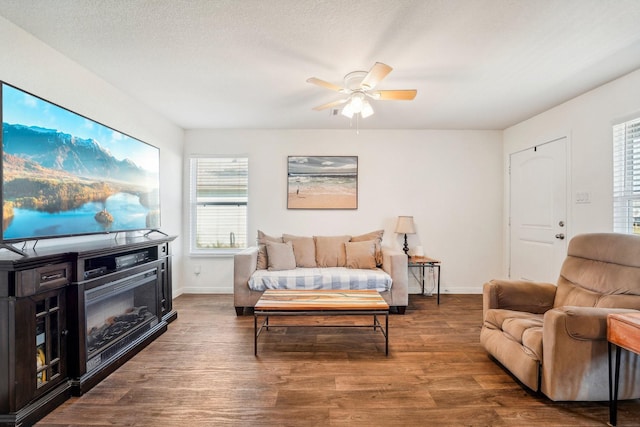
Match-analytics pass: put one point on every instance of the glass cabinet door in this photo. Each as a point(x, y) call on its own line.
point(49, 332)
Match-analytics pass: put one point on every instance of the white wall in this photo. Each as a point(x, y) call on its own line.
point(450, 181)
point(587, 120)
point(37, 68)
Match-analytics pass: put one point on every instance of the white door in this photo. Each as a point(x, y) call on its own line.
point(538, 195)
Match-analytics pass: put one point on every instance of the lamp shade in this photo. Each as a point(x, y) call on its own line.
point(405, 225)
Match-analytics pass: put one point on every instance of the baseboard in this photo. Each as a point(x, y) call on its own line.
point(209, 290)
point(461, 290)
point(205, 290)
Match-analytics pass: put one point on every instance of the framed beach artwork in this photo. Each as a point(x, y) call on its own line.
point(322, 182)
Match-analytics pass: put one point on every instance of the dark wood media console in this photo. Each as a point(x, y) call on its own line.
point(71, 315)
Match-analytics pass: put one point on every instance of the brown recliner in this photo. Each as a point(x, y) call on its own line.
point(554, 338)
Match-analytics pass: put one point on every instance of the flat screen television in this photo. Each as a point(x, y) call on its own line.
point(64, 174)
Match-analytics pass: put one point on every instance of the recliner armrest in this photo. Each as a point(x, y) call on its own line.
point(518, 295)
point(582, 323)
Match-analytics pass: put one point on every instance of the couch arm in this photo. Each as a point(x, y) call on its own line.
point(244, 264)
point(394, 262)
point(518, 295)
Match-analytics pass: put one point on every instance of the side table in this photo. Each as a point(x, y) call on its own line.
point(623, 332)
point(422, 262)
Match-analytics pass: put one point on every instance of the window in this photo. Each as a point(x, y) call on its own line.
point(626, 177)
point(219, 193)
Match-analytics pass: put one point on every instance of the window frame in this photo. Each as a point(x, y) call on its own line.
point(194, 203)
point(626, 176)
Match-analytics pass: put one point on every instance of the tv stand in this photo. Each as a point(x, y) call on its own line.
point(54, 339)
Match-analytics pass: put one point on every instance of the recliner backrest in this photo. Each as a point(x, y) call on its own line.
point(601, 270)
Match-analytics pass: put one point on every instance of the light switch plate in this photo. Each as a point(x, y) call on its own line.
point(583, 197)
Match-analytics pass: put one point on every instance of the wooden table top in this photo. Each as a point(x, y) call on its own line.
point(623, 329)
point(318, 300)
point(422, 260)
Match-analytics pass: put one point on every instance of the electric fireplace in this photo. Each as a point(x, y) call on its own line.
point(117, 314)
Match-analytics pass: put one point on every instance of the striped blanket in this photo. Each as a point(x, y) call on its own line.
point(321, 278)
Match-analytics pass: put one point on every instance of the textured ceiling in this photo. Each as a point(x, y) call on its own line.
point(477, 64)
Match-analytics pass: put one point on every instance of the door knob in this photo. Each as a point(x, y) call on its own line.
point(560, 236)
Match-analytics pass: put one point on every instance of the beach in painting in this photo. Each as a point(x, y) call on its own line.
point(322, 183)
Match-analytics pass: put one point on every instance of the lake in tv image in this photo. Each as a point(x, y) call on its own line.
point(64, 174)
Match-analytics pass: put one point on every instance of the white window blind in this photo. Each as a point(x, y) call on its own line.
point(626, 177)
point(219, 195)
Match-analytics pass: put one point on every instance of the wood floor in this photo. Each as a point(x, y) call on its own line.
point(202, 372)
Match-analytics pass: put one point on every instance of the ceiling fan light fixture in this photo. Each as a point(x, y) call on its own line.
point(358, 87)
point(367, 110)
point(357, 102)
point(347, 110)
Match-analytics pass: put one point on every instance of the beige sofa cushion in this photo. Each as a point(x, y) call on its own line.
point(280, 256)
point(263, 262)
point(330, 251)
point(375, 236)
point(304, 250)
point(361, 254)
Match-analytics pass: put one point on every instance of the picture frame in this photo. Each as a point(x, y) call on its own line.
point(322, 182)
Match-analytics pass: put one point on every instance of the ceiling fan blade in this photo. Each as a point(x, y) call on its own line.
point(330, 86)
point(330, 104)
point(395, 95)
point(378, 72)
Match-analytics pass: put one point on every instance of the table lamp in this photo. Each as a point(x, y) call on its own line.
point(405, 226)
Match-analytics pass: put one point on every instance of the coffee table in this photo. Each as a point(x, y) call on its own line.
point(280, 302)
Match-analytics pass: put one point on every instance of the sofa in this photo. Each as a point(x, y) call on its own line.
point(553, 337)
point(320, 262)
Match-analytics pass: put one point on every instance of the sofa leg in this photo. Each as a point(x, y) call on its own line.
point(239, 311)
point(401, 309)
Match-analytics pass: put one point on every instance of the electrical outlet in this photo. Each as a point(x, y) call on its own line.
point(196, 270)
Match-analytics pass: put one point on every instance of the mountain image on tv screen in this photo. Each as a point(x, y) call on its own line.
point(64, 174)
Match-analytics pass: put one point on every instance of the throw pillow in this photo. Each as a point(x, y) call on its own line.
point(376, 236)
point(280, 256)
point(263, 261)
point(304, 250)
point(330, 251)
point(361, 254)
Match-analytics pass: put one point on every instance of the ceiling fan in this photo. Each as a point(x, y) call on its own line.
point(358, 87)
